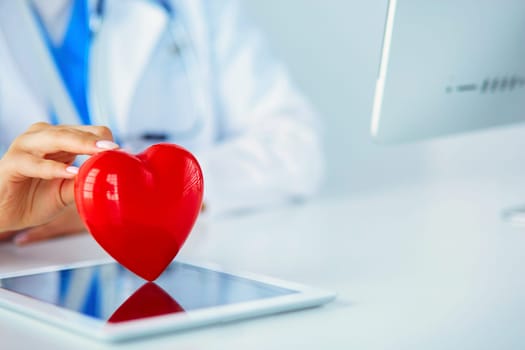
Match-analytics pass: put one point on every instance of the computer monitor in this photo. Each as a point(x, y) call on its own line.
point(449, 66)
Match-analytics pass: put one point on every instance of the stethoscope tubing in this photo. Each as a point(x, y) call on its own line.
point(95, 23)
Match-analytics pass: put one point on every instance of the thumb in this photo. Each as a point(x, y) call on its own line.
point(66, 223)
point(34, 234)
point(7, 235)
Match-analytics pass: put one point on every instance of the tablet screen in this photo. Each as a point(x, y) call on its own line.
point(111, 293)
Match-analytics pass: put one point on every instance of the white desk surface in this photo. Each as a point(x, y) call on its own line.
point(422, 267)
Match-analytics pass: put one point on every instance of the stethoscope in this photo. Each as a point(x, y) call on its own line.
point(182, 48)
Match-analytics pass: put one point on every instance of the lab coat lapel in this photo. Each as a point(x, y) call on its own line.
point(34, 60)
point(121, 50)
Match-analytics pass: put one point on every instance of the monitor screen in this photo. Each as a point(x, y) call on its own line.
point(449, 67)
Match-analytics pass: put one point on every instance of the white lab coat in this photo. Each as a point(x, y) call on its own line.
point(217, 92)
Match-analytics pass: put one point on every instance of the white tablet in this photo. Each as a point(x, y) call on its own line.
point(105, 301)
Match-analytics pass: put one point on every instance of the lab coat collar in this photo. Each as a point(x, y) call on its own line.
point(34, 59)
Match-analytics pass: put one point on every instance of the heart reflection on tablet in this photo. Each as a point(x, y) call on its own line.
point(95, 299)
point(148, 301)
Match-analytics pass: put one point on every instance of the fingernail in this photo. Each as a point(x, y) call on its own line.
point(72, 170)
point(21, 239)
point(103, 144)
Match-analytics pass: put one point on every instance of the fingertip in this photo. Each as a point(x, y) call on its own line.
point(61, 171)
point(72, 170)
point(106, 145)
point(104, 132)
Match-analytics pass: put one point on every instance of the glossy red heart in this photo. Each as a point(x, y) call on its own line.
point(141, 208)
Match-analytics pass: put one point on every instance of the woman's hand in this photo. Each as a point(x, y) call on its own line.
point(68, 222)
point(36, 172)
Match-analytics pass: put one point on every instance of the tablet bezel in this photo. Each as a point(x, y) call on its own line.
point(304, 297)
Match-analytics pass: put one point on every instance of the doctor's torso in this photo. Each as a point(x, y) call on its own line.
point(201, 75)
point(150, 72)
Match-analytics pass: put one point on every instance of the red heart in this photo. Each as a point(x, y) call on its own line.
point(148, 301)
point(141, 208)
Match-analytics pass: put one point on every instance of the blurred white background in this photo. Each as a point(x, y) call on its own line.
point(332, 49)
